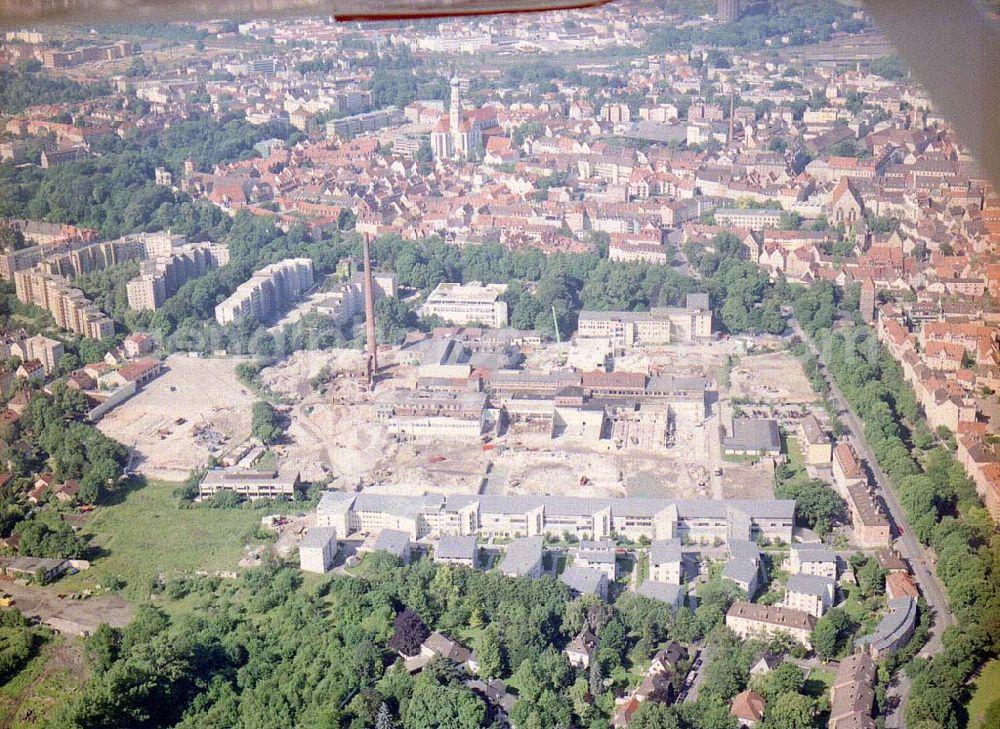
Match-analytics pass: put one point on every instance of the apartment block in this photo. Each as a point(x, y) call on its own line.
point(749, 620)
point(68, 306)
point(748, 218)
point(817, 450)
point(665, 561)
point(812, 559)
point(268, 292)
point(810, 594)
point(318, 550)
point(694, 521)
point(160, 277)
point(45, 350)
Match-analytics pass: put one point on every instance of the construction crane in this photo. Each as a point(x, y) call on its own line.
point(555, 323)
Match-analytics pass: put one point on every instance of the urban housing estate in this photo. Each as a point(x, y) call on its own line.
point(699, 521)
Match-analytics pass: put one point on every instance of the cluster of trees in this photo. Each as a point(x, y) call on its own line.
point(270, 652)
point(107, 289)
point(941, 505)
point(802, 21)
point(115, 192)
point(50, 437)
point(264, 423)
point(17, 642)
point(817, 505)
point(741, 294)
point(27, 85)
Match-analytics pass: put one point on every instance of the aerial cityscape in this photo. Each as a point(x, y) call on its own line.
point(624, 366)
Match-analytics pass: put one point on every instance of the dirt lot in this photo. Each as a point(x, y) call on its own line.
point(71, 617)
point(205, 393)
point(774, 378)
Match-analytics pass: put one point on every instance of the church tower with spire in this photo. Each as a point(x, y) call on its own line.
point(455, 123)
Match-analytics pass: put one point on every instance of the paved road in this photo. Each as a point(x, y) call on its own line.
point(692, 694)
point(906, 543)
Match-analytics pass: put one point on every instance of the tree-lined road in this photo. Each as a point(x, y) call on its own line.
point(906, 543)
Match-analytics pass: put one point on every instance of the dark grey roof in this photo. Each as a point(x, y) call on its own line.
point(745, 550)
point(663, 591)
point(665, 550)
point(318, 537)
point(741, 571)
point(814, 553)
point(522, 555)
point(901, 618)
point(583, 580)
point(392, 541)
point(697, 302)
point(810, 585)
point(749, 434)
point(456, 547)
point(447, 351)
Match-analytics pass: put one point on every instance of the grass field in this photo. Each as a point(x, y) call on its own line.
point(987, 690)
point(818, 684)
point(148, 534)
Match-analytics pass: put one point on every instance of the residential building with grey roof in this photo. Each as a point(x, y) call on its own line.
point(751, 437)
point(585, 581)
point(894, 630)
point(665, 561)
point(523, 557)
point(318, 550)
point(456, 549)
point(504, 516)
point(810, 593)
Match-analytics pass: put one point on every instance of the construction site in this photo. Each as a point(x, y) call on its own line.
point(197, 408)
point(636, 405)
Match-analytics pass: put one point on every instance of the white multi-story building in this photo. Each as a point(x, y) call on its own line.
point(318, 549)
point(700, 520)
point(811, 559)
point(810, 594)
point(665, 561)
point(660, 325)
point(161, 275)
point(268, 292)
point(471, 303)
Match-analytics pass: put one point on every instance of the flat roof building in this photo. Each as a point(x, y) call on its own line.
point(250, 484)
point(660, 325)
point(318, 549)
point(268, 292)
point(471, 303)
point(751, 437)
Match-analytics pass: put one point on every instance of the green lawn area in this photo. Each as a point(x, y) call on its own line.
point(148, 534)
point(268, 461)
point(819, 682)
point(794, 451)
point(986, 691)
